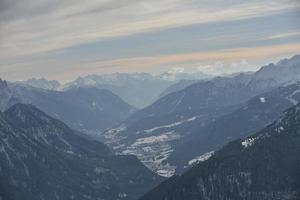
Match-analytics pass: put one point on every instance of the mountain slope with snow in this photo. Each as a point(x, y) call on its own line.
point(264, 166)
point(42, 83)
point(285, 72)
point(249, 118)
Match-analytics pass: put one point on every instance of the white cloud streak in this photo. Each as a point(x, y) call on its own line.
point(284, 35)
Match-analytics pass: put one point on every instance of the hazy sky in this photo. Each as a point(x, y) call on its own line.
point(63, 39)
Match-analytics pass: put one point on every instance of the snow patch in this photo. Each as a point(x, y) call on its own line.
point(167, 126)
point(248, 142)
point(169, 136)
point(280, 129)
point(201, 158)
point(166, 173)
point(262, 99)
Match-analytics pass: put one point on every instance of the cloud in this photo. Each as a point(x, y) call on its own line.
point(175, 70)
point(212, 62)
point(51, 37)
point(34, 27)
point(284, 35)
point(233, 60)
point(219, 68)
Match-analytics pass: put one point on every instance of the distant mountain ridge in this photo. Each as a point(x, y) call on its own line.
point(129, 86)
point(285, 72)
point(42, 158)
point(137, 89)
point(42, 83)
point(86, 109)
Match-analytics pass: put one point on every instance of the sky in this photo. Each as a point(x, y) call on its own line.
point(64, 39)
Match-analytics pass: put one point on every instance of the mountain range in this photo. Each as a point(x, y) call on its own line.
point(137, 89)
point(215, 138)
point(202, 112)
